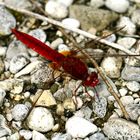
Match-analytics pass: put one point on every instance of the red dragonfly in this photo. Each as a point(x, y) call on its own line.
point(72, 65)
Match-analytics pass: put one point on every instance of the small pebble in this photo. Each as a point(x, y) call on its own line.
point(120, 129)
point(129, 26)
point(18, 62)
point(97, 4)
point(80, 127)
point(27, 134)
point(40, 119)
point(135, 17)
point(60, 109)
point(66, 2)
point(100, 107)
point(138, 121)
point(1, 66)
point(71, 22)
point(3, 51)
point(112, 66)
point(46, 99)
point(133, 111)
point(15, 48)
point(119, 6)
point(97, 136)
point(63, 48)
point(60, 136)
point(38, 136)
point(133, 86)
point(56, 9)
point(131, 73)
point(123, 91)
point(7, 21)
point(23, 4)
point(56, 43)
point(127, 42)
point(19, 112)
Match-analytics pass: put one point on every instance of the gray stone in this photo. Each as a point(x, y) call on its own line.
point(7, 21)
point(2, 96)
point(131, 73)
point(120, 129)
point(90, 17)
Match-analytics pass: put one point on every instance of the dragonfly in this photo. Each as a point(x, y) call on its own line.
point(70, 64)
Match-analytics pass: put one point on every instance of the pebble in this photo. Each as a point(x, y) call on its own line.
point(66, 2)
point(18, 62)
point(54, 44)
point(133, 110)
point(15, 48)
point(97, 4)
point(97, 136)
point(46, 99)
point(129, 26)
point(3, 51)
point(2, 96)
point(123, 91)
point(29, 68)
point(14, 136)
point(135, 17)
point(7, 21)
point(97, 18)
point(100, 107)
point(40, 119)
point(38, 34)
point(68, 104)
point(4, 130)
point(84, 112)
point(42, 75)
point(13, 85)
point(133, 86)
point(63, 48)
point(127, 42)
point(80, 127)
point(126, 100)
point(56, 9)
point(71, 22)
point(22, 4)
point(119, 6)
point(117, 128)
point(38, 136)
point(19, 112)
point(60, 136)
point(131, 73)
point(60, 109)
point(27, 134)
point(112, 66)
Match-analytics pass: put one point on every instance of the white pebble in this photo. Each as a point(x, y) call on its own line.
point(127, 100)
point(27, 134)
point(27, 94)
point(127, 42)
point(123, 91)
point(80, 127)
point(136, 16)
point(40, 119)
point(56, 10)
point(71, 22)
point(97, 3)
point(56, 42)
point(3, 51)
point(19, 112)
point(38, 136)
point(133, 86)
point(119, 6)
point(63, 47)
point(129, 26)
point(65, 2)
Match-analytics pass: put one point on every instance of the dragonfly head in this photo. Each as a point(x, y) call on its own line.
point(92, 80)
